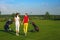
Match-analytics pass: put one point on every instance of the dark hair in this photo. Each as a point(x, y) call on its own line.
point(16, 14)
point(26, 13)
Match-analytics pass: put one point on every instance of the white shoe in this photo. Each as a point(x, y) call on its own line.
point(17, 34)
point(25, 34)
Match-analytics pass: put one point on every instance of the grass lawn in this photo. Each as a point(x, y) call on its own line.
point(49, 30)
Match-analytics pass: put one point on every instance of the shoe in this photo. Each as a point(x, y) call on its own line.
point(25, 34)
point(17, 34)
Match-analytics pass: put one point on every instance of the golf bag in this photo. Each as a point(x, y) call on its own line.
point(36, 28)
point(6, 26)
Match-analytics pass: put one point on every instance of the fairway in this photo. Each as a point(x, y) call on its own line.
point(49, 30)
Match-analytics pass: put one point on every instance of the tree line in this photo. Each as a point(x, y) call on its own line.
point(47, 16)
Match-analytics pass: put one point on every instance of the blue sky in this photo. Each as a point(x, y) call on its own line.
point(37, 7)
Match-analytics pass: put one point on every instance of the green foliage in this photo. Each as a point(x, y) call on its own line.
point(13, 14)
point(47, 15)
point(0, 12)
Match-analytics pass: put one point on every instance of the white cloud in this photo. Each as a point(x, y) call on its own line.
point(6, 8)
point(9, 8)
point(3, 8)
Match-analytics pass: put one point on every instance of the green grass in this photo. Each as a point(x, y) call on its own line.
point(49, 30)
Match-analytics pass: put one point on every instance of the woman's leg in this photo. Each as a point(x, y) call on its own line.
point(17, 29)
point(25, 28)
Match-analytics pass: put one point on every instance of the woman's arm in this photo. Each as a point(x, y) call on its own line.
point(28, 19)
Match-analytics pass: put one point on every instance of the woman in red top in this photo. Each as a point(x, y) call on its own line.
point(25, 21)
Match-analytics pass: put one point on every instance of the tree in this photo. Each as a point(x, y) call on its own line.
point(0, 12)
point(47, 15)
point(13, 14)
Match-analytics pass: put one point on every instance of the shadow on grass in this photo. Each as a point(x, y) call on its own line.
point(10, 32)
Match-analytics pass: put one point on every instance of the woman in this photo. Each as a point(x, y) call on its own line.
point(17, 23)
point(25, 21)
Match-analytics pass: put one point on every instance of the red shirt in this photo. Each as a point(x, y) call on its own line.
point(25, 19)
